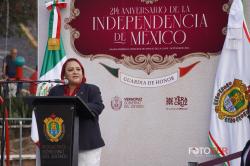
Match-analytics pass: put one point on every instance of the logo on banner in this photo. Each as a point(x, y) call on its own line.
point(116, 103)
point(231, 102)
point(128, 102)
point(133, 102)
point(178, 103)
point(149, 1)
point(53, 128)
point(203, 150)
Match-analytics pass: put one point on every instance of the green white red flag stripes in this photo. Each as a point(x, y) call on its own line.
point(53, 59)
point(55, 17)
point(229, 126)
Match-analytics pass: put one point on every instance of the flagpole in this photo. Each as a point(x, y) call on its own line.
point(1, 99)
point(7, 138)
point(3, 131)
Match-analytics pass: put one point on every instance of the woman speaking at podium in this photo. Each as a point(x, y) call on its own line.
point(90, 139)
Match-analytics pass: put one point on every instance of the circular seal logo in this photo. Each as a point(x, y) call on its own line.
point(231, 102)
point(116, 103)
point(53, 128)
point(149, 1)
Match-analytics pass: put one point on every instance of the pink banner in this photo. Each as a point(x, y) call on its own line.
point(122, 28)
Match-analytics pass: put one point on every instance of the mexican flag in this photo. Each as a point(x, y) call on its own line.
point(54, 56)
point(230, 127)
point(51, 68)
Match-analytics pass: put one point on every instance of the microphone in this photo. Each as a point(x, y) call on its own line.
point(64, 81)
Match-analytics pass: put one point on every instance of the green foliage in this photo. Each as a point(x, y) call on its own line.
point(17, 108)
point(20, 11)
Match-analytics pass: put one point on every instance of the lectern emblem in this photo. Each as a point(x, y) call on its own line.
point(53, 128)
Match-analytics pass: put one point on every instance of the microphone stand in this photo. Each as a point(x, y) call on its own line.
point(29, 81)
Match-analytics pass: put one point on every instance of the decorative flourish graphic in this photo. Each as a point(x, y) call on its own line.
point(150, 82)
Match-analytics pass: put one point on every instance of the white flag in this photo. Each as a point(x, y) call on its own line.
point(229, 128)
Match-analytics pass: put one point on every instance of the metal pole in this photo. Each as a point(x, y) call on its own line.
point(21, 142)
point(3, 138)
point(6, 47)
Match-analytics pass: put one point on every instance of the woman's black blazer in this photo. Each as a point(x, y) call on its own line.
point(89, 130)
